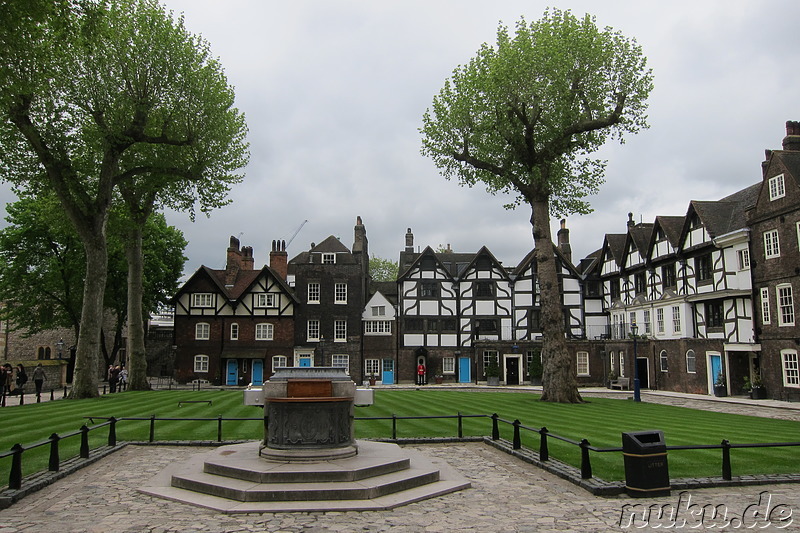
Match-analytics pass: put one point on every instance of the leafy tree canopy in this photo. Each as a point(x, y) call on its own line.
point(522, 116)
point(383, 269)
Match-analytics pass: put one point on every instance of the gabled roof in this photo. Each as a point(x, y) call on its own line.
point(387, 288)
point(451, 262)
point(529, 258)
point(244, 281)
point(330, 245)
point(615, 244)
point(639, 235)
point(484, 252)
point(722, 216)
point(790, 160)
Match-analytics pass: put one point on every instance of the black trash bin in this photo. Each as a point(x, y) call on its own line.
point(646, 469)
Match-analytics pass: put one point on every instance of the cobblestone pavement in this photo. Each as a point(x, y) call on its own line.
point(507, 495)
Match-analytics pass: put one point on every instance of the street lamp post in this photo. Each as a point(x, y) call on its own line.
point(637, 397)
point(60, 347)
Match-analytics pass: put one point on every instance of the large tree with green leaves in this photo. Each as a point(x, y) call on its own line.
point(381, 269)
point(42, 270)
point(523, 117)
point(101, 94)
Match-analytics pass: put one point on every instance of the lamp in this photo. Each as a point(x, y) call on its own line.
point(60, 347)
point(637, 397)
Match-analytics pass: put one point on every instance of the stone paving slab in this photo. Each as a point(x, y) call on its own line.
point(507, 495)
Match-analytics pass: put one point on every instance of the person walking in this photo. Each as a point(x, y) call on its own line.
point(113, 378)
point(39, 375)
point(123, 379)
point(22, 378)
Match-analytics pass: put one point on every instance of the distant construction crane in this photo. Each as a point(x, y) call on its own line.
point(295, 233)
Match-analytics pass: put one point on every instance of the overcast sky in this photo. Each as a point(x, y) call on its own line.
point(334, 93)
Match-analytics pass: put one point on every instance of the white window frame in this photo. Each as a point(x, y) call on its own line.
point(201, 363)
point(267, 300)
point(790, 368)
point(487, 357)
point(234, 331)
point(202, 331)
point(646, 321)
point(663, 361)
point(582, 363)
point(329, 258)
point(378, 310)
point(744, 259)
point(265, 331)
point(372, 367)
point(691, 369)
point(203, 299)
point(313, 293)
point(312, 330)
point(776, 187)
point(378, 327)
point(341, 360)
point(340, 330)
point(785, 310)
point(278, 361)
point(340, 293)
point(621, 364)
point(660, 320)
point(676, 319)
point(613, 362)
point(766, 315)
point(772, 244)
point(448, 365)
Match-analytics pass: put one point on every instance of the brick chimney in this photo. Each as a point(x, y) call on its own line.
point(792, 139)
point(563, 241)
point(234, 262)
point(279, 259)
point(247, 258)
point(409, 241)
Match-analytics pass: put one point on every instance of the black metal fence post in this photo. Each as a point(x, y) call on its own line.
point(460, 426)
point(112, 431)
point(544, 453)
point(495, 428)
point(22, 397)
point(51, 394)
point(84, 442)
point(517, 442)
point(394, 426)
point(726, 460)
point(15, 476)
point(55, 462)
point(152, 428)
point(219, 428)
point(65, 392)
point(586, 465)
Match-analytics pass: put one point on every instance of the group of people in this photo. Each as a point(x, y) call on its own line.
point(17, 378)
point(117, 378)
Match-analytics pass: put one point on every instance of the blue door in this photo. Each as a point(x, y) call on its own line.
point(305, 361)
point(464, 366)
point(716, 368)
point(233, 372)
point(258, 372)
point(387, 376)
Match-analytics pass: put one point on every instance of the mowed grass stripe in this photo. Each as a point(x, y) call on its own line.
point(600, 420)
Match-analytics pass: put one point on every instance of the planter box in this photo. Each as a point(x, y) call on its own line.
point(758, 393)
point(493, 381)
point(720, 391)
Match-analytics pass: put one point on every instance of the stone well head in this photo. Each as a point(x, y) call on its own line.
point(308, 414)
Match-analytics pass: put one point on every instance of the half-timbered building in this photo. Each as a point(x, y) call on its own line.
point(231, 324)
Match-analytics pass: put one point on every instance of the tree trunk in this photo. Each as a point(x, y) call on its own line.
point(137, 360)
point(85, 382)
point(558, 372)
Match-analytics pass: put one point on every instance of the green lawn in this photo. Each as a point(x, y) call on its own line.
point(601, 421)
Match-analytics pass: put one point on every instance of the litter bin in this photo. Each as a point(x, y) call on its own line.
point(646, 469)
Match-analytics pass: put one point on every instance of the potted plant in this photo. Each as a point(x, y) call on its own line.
point(720, 387)
point(493, 373)
point(757, 390)
point(439, 378)
point(535, 368)
point(371, 378)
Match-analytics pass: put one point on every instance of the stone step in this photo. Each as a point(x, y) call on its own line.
point(247, 491)
point(361, 467)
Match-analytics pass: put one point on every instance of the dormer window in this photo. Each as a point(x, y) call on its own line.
point(266, 300)
point(776, 188)
point(328, 259)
